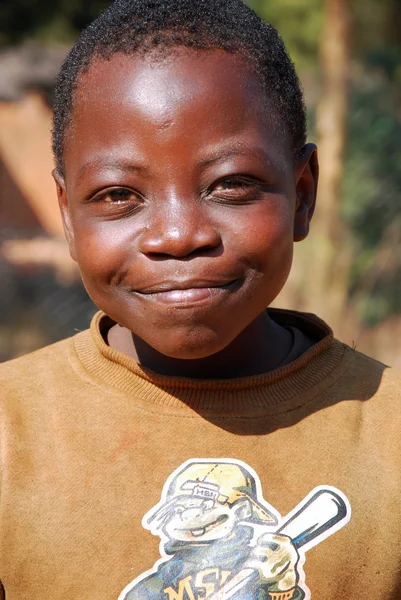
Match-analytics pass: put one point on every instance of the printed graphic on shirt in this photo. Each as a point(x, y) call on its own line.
point(220, 539)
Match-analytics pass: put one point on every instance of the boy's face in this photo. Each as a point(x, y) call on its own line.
point(199, 520)
point(181, 199)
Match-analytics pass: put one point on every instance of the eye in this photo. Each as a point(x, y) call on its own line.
point(232, 183)
point(116, 203)
point(236, 189)
point(118, 196)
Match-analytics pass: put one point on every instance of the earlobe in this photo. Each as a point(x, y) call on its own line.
point(307, 174)
point(65, 214)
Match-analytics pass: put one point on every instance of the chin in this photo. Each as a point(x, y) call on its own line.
point(185, 351)
point(198, 343)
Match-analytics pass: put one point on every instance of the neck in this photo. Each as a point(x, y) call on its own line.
point(260, 348)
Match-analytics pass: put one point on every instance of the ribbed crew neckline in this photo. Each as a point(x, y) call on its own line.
point(280, 390)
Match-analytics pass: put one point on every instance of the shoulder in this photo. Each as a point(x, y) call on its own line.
point(13, 369)
point(367, 371)
point(38, 373)
point(376, 387)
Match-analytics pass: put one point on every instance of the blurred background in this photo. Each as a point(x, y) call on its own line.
point(348, 55)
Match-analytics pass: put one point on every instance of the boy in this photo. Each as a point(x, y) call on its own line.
point(184, 177)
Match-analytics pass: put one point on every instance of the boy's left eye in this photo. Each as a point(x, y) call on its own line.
point(235, 188)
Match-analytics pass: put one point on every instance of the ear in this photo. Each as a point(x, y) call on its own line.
point(307, 175)
point(65, 214)
point(242, 509)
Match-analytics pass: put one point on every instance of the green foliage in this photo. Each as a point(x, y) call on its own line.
point(372, 183)
point(299, 23)
point(372, 189)
point(57, 20)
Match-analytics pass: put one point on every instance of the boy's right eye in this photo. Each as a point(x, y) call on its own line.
point(118, 196)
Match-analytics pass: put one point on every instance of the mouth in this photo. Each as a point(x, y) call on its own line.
point(187, 292)
point(200, 531)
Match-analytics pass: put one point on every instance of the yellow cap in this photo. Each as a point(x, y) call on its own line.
point(221, 482)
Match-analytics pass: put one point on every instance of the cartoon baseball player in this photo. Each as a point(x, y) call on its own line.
point(220, 538)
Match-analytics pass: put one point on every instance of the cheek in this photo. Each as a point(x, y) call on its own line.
point(267, 236)
point(101, 251)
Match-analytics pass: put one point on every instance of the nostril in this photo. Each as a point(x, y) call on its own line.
point(158, 255)
point(202, 251)
point(161, 240)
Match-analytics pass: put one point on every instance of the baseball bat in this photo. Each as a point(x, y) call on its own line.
point(313, 518)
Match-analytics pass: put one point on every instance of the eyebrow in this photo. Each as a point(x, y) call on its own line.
point(217, 157)
point(115, 165)
point(225, 155)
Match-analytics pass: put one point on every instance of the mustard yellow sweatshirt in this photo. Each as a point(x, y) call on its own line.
point(119, 483)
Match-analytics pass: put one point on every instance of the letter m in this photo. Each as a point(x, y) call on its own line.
point(184, 591)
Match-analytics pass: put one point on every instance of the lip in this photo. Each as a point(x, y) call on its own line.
point(187, 292)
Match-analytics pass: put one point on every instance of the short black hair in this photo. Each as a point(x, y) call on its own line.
point(138, 26)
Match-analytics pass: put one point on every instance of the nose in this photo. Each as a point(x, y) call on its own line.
point(179, 227)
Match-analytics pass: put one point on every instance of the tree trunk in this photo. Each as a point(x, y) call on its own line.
point(329, 271)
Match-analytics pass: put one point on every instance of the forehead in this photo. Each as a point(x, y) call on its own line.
point(187, 94)
point(160, 80)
